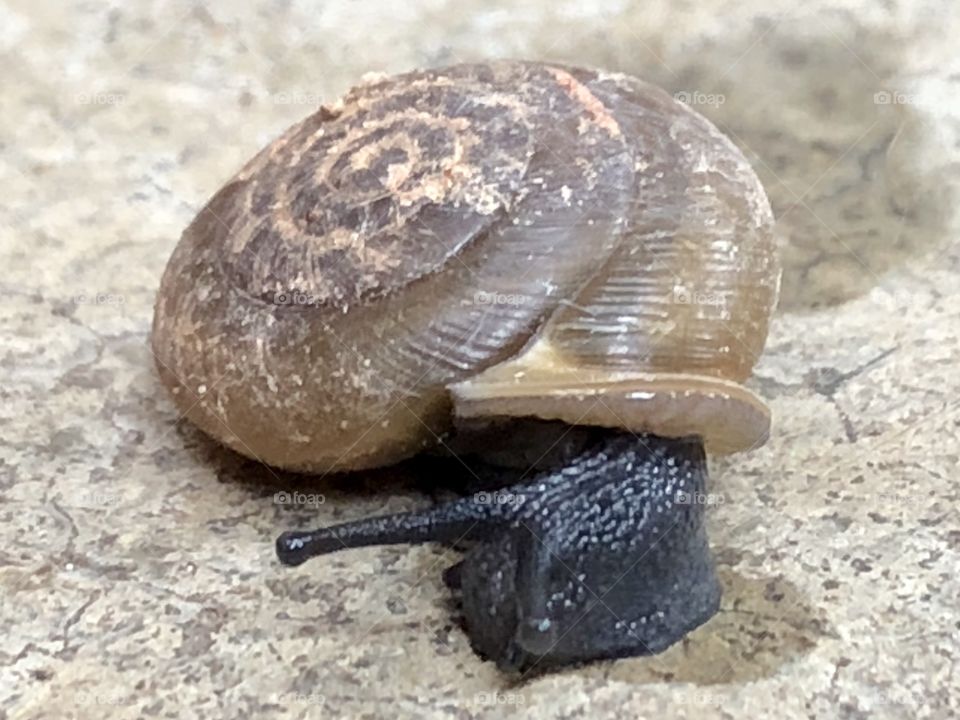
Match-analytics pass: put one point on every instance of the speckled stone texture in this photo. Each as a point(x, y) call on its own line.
point(137, 574)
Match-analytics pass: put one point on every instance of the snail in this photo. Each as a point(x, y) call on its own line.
point(563, 274)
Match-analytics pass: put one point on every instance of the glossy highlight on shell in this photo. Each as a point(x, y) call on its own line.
point(504, 238)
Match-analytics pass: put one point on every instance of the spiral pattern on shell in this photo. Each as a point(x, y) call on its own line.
point(358, 198)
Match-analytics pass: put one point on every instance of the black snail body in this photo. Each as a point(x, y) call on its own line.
point(564, 272)
point(605, 557)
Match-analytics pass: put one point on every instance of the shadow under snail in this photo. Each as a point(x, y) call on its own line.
point(563, 273)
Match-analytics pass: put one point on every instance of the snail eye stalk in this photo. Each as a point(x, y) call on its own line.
point(463, 519)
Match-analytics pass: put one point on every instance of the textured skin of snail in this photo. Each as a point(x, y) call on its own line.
point(606, 557)
point(522, 244)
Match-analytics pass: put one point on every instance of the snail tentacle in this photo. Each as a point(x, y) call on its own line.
point(450, 522)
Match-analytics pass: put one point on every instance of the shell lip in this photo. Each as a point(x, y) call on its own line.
point(728, 416)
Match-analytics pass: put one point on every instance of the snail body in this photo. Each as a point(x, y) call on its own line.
point(505, 244)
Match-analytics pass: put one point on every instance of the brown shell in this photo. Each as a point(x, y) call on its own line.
point(464, 229)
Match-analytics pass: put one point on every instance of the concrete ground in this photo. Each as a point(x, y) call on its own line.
point(137, 574)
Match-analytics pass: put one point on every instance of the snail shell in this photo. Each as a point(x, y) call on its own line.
point(498, 239)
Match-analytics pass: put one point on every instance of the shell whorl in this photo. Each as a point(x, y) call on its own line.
point(387, 218)
point(359, 198)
